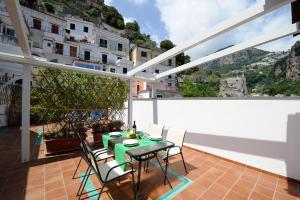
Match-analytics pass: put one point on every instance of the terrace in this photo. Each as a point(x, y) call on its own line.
point(234, 148)
point(209, 177)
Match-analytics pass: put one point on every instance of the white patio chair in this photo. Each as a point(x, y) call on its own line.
point(105, 172)
point(155, 129)
point(177, 137)
point(100, 155)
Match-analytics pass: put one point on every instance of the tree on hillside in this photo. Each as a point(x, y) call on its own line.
point(132, 26)
point(113, 17)
point(182, 59)
point(166, 45)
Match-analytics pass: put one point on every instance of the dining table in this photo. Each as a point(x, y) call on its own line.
point(144, 150)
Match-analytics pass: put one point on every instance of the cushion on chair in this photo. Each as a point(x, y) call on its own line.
point(173, 151)
point(115, 173)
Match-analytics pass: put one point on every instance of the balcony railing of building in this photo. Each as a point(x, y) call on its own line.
point(7, 39)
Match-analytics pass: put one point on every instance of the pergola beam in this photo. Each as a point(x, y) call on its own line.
point(249, 14)
point(290, 30)
point(36, 61)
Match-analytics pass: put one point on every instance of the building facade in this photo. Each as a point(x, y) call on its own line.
point(70, 40)
point(166, 87)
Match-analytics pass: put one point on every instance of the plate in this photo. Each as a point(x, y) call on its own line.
point(115, 134)
point(130, 142)
point(155, 137)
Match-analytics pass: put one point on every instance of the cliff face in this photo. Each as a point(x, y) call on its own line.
point(289, 66)
point(293, 62)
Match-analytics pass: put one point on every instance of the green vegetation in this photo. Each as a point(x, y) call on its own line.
point(283, 86)
point(113, 17)
point(132, 32)
point(60, 94)
point(181, 59)
point(297, 48)
point(203, 83)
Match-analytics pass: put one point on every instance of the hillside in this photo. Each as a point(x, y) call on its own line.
point(93, 11)
point(236, 60)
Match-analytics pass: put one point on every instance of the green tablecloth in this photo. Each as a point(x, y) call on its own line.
point(120, 149)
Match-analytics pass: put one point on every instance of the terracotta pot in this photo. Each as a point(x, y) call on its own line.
point(60, 145)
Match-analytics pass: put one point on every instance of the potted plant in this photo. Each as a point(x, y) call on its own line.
point(65, 139)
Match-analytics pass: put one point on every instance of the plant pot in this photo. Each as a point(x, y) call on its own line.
point(60, 145)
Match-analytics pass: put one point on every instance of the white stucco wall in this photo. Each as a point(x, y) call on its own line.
point(260, 133)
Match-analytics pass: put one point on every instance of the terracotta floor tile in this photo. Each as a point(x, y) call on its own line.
point(280, 196)
point(56, 193)
point(264, 190)
point(235, 196)
point(258, 196)
point(197, 188)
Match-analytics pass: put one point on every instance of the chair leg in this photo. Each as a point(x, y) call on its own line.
point(183, 162)
point(165, 175)
point(101, 191)
point(166, 170)
point(77, 167)
point(85, 181)
point(133, 183)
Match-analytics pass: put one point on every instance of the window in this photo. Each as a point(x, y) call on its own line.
point(157, 71)
point(72, 38)
point(10, 32)
point(144, 54)
point(85, 29)
point(119, 58)
point(137, 88)
point(87, 55)
point(112, 70)
point(73, 51)
point(103, 43)
point(72, 26)
point(49, 44)
point(170, 77)
point(54, 28)
point(104, 58)
point(169, 62)
point(124, 70)
point(37, 24)
point(59, 48)
point(120, 47)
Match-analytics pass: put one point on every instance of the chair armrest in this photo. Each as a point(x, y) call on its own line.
point(124, 163)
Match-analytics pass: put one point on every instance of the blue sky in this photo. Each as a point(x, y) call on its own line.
point(182, 20)
point(145, 13)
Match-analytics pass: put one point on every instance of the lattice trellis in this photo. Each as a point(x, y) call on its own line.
point(60, 98)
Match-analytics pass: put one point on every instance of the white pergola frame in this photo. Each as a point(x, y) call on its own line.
point(27, 60)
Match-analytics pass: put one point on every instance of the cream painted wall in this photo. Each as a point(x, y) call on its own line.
point(260, 133)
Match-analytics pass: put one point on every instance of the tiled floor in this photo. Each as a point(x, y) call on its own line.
point(209, 177)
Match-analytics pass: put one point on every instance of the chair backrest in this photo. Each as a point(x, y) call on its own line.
point(91, 158)
point(155, 129)
point(176, 136)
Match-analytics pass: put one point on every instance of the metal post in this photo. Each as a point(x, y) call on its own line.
point(130, 105)
point(153, 90)
point(25, 130)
